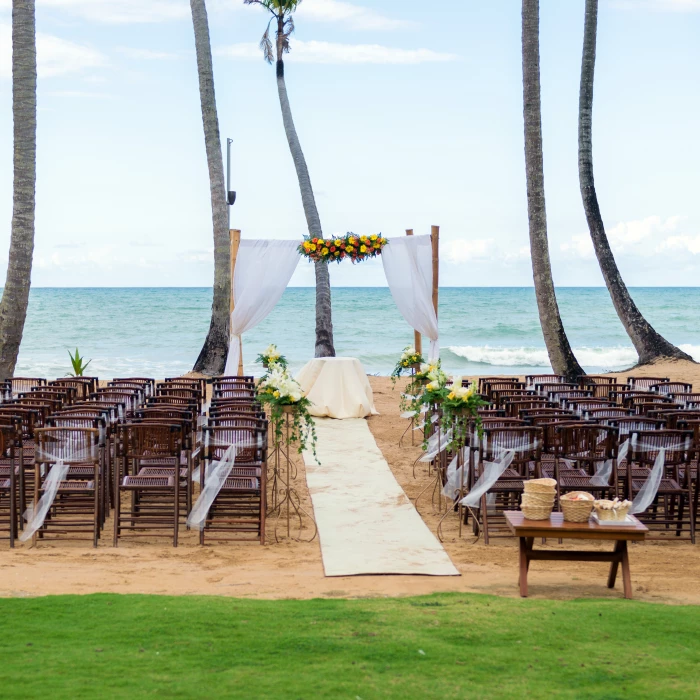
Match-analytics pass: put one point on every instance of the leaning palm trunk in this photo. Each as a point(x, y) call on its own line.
point(212, 358)
point(560, 353)
point(647, 342)
point(15, 297)
point(324, 320)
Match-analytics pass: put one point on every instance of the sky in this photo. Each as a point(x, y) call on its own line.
point(409, 114)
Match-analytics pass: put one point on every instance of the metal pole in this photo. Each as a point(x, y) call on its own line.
point(228, 180)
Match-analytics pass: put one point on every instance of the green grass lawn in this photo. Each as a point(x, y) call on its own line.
point(442, 646)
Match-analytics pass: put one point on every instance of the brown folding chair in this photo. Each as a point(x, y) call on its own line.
point(675, 505)
point(154, 500)
point(240, 506)
point(77, 507)
point(9, 482)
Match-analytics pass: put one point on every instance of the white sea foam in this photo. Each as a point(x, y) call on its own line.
point(608, 357)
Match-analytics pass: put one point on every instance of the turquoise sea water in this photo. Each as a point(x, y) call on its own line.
point(159, 332)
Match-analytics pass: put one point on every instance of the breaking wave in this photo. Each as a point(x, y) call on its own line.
point(607, 357)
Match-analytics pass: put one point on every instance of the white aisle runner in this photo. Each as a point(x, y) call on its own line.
point(365, 521)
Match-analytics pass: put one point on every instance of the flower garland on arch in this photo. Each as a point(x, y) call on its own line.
point(350, 246)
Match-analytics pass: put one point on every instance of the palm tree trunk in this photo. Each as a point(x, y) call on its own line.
point(212, 358)
point(647, 342)
point(15, 297)
point(560, 353)
point(324, 319)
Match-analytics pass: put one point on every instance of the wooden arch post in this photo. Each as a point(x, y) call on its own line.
point(435, 241)
point(235, 236)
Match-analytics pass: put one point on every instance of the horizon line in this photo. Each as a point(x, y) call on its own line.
point(367, 287)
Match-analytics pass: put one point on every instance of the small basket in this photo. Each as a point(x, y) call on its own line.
point(612, 514)
point(538, 499)
point(546, 486)
point(536, 512)
point(576, 511)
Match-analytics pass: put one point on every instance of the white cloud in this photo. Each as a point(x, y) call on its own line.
point(463, 251)
point(580, 246)
point(352, 16)
point(81, 93)
point(327, 52)
point(683, 243)
point(122, 11)
point(633, 232)
point(645, 238)
point(54, 56)
point(467, 250)
point(661, 5)
point(148, 54)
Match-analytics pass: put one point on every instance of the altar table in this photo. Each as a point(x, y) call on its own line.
point(337, 387)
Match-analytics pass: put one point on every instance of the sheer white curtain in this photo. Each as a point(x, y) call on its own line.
point(408, 265)
point(263, 270)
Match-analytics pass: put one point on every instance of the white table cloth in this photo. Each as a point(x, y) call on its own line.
point(337, 387)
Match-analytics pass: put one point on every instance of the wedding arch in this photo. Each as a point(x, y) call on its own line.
point(262, 269)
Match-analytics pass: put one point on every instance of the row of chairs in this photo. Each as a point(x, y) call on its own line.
point(131, 447)
point(554, 430)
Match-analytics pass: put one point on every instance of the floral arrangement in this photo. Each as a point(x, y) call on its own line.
point(271, 357)
point(356, 248)
point(427, 387)
point(457, 405)
point(281, 394)
point(408, 359)
point(460, 407)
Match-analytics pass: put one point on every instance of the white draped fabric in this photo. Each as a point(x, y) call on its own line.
point(409, 271)
point(263, 270)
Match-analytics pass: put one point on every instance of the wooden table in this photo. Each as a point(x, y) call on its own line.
point(555, 527)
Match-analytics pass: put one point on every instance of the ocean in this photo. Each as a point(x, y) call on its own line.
point(158, 332)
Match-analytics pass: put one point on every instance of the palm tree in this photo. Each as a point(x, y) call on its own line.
point(560, 354)
point(647, 342)
point(15, 296)
point(212, 358)
point(282, 11)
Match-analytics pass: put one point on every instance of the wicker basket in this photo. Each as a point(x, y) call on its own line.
point(612, 515)
point(538, 499)
point(540, 486)
point(536, 512)
point(576, 511)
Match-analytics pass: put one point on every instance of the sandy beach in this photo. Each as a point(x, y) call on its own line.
point(662, 571)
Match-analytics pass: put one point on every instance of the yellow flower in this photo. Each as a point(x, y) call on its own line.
point(324, 251)
point(350, 249)
point(337, 242)
point(451, 396)
point(363, 249)
point(312, 247)
point(307, 245)
point(337, 253)
point(363, 239)
point(277, 394)
point(373, 238)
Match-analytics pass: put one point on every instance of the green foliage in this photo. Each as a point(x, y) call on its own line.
point(79, 364)
point(441, 646)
